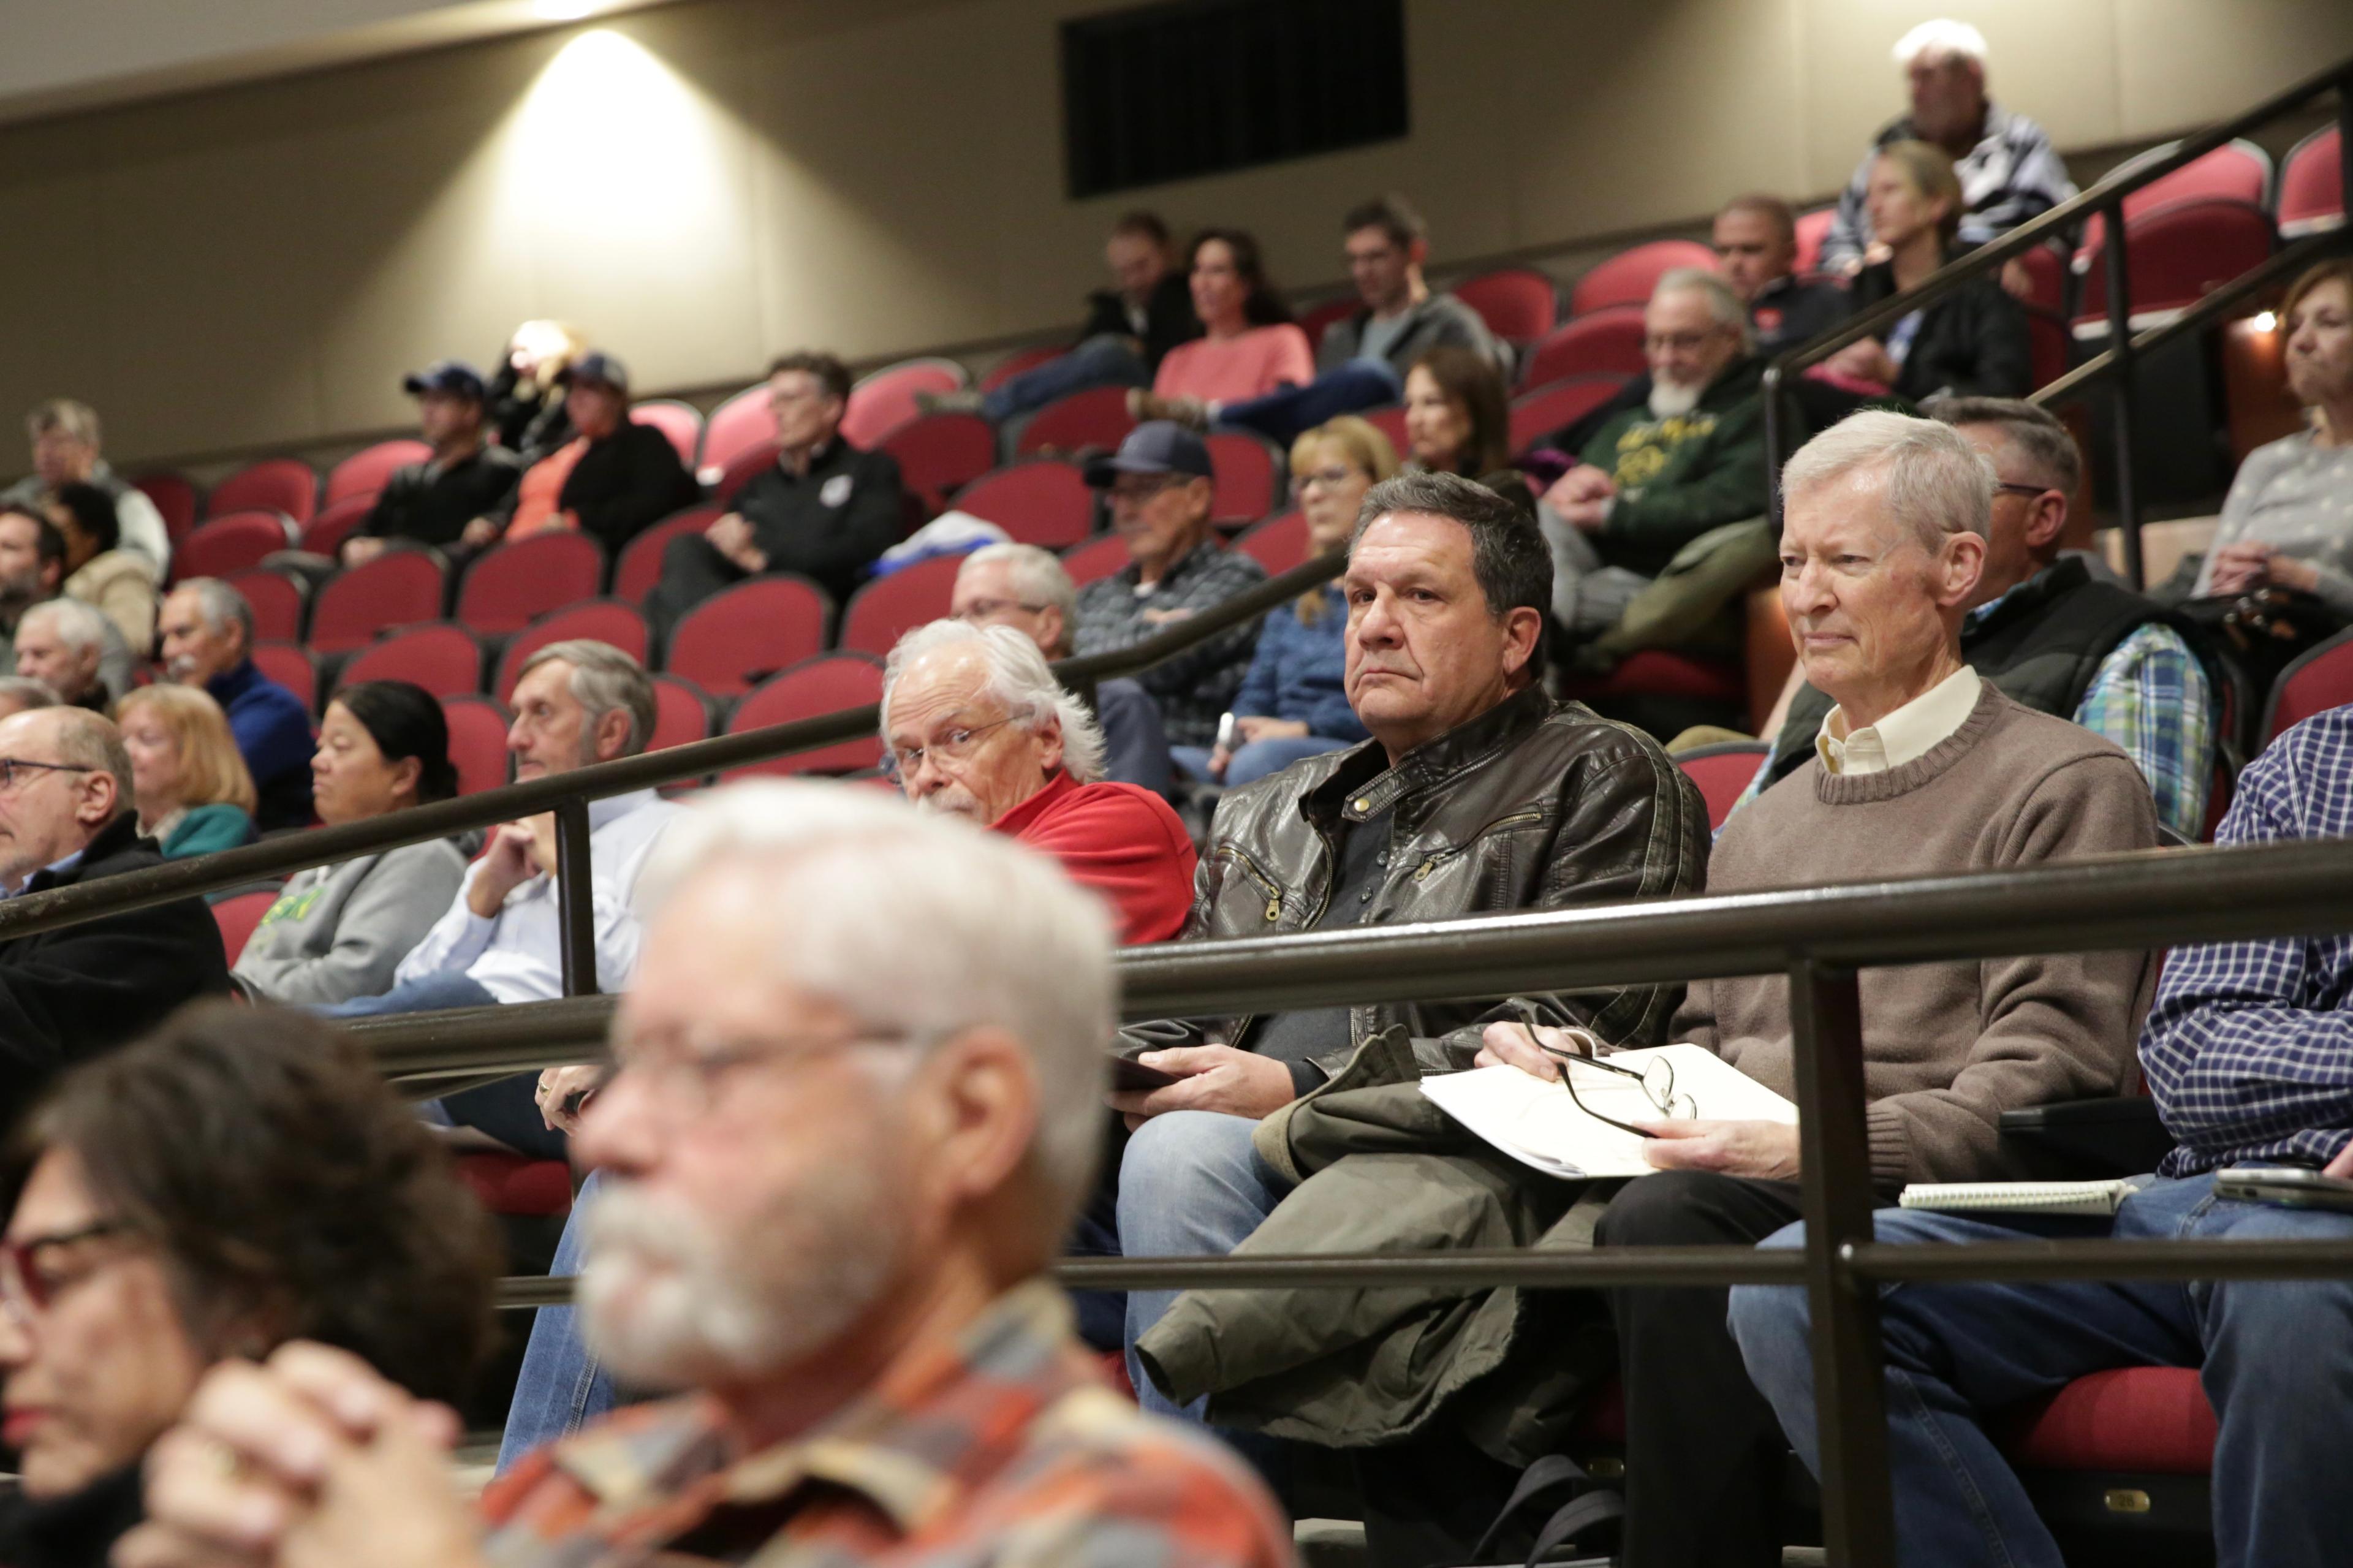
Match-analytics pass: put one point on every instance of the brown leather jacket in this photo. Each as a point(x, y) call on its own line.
point(1532, 805)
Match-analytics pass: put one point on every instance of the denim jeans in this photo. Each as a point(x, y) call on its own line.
point(2276, 1358)
point(1104, 360)
point(1254, 759)
point(508, 1110)
point(1281, 417)
point(560, 1387)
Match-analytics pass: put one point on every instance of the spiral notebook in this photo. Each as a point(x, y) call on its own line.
point(2022, 1197)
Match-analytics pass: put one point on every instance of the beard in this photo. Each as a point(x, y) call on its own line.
point(1671, 400)
point(668, 1301)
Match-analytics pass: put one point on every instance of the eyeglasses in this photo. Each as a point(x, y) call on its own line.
point(1656, 1077)
point(685, 1081)
point(1338, 474)
point(2013, 488)
point(981, 610)
point(11, 767)
point(954, 746)
point(1675, 342)
point(29, 1285)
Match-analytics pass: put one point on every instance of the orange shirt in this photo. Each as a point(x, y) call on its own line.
point(542, 487)
point(1234, 369)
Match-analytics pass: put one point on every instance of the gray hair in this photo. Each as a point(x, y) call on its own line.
point(604, 679)
point(1942, 40)
point(221, 605)
point(79, 420)
point(91, 741)
point(1509, 558)
point(1017, 677)
point(22, 694)
point(1937, 484)
point(1722, 304)
point(919, 926)
point(1038, 577)
point(80, 626)
point(2032, 430)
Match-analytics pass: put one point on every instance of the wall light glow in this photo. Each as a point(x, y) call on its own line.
point(562, 10)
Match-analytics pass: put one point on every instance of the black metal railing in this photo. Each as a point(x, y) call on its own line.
point(2113, 365)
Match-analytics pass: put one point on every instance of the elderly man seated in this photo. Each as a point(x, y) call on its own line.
point(1024, 588)
point(208, 640)
point(65, 819)
point(2249, 1053)
point(2052, 636)
point(74, 650)
point(1161, 487)
point(66, 451)
point(977, 728)
point(851, 1114)
point(1680, 452)
point(1922, 768)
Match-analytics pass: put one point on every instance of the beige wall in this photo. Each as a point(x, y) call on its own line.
point(703, 185)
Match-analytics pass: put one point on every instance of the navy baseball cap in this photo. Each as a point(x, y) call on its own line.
point(454, 376)
point(599, 366)
point(1157, 446)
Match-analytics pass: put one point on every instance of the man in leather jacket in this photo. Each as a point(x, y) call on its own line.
point(1477, 794)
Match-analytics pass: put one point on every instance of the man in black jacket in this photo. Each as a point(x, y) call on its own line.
point(67, 993)
point(617, 478)
point(824, 511)
point(431, 502)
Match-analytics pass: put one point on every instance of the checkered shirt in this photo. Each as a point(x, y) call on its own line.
point(1197, 686)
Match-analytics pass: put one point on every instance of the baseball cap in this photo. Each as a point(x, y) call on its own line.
point(599, 366)
point(450, 375)
point(1157, 446)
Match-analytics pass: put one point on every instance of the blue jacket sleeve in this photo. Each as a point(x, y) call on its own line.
point(1261, 684)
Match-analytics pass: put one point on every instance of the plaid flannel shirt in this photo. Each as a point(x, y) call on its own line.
point(1006, 1449)
point(1196, 687)
point(2249, 1049)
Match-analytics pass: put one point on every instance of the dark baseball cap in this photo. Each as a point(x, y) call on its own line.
point(454, 376)
point(599, 366)
point(1158, 447)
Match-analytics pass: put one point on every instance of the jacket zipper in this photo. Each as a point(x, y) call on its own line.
point(1421, 872)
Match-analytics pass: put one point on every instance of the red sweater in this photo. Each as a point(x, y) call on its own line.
point(1119, 841)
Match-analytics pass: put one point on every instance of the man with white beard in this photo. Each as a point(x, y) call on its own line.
point(855, 1101)
point(1677, 453)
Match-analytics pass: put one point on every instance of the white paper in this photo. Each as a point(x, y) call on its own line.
point(1534, 1120)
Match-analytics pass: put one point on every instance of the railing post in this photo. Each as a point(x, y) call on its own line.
point(2120, 344)
point(1835, 1193)
point(1773, 453)
point(576, 900)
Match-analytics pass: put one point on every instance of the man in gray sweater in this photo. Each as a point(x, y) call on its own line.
point(1922, 769)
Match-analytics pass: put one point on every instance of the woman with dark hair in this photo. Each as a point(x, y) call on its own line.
point(1250, 346)
point(1458, 417)
point(339, 931)
point(239, 1179)
point(98, 572)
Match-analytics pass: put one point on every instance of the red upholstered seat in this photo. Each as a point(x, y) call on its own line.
point(2176, 254)
point(735, 638)
point(681, 422)
point(889, 608)
point(1045, 502)
point(1390, 422)
point(291, 668)
point(1659, 672)
point(741, 470)
point(273, 484)
point(511, 584)
point(599, 620)
point(477, 741)
point(1605, 342)
point(2154, 1419)
point(1536, 415)
point(885, 399)
point(2312, 187)
point(443, 657)
point(1249, 471)
point(174, 495)
point(2236, 171)
point(1318, 319)
point(1018, 361)
point(1095, 417)
point(511, 1184)
point(1628, 278)
point(230, 543)
point(1277, 545)
point(2319, 679)
point(369, 470)
point(681, 713)
point(639, 568)
point(824, 685)
point(1519, 304)
point(1098, 557)
point(336, 521)
point(398, 588)
point(1813, 228)
point(939, 453)
point(736, 425)
point(276, 604)
point(1723, 773)
point(238, 915)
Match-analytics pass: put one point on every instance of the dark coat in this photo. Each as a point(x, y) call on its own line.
point(433, 507)
point(71, 991)
point(1971, 343)
point(622, 485)
point(1169, 318)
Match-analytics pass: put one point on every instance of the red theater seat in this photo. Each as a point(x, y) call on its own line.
point(736, 425)
point(1813, 228)
point(1605, 343)
point(681, 422)
point(1277, 545)
point(511, 1184)
point(1045, 502)
point(511, 584)
point(939, 453)
point(824, 685)
point(1249, 471)
point(1098, 557)
point(2176, 256)
point(885, 399)
point(2150, 1420)
point(1321, 319)
point(2319, 679)
point(1519, 304)
point(1723, 773)
point(2238, 172)
point(1390, 422)
point(231, 542)
point(1536, 415)
point(1021, 359)
point(477, 741)
point(741, 470)
point(369, 470)
point(1658, 672)
point(398, 588)
point(238, 915)
point(639, 568)
point(273, 484)
point(276, 604)
point(889, 608)
point(2312, 185)
point(291, 668)
point(608, 621)
point(682, 713)
point(443, 658)
point(336, 521)
point(734, 639)
point(1628, 278)
point(1095, 417)
point(174, 495)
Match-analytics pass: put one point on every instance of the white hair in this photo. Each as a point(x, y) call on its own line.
point(1722, 304)
point(79, 626)
point(1942, 40)
point(1037, 577)
point(1937, 483)
point(927, 927)
point(1019, 678)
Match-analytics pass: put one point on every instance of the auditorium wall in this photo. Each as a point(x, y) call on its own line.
point(703, 185)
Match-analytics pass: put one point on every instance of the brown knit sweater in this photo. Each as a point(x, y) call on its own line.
point(1947, 1047)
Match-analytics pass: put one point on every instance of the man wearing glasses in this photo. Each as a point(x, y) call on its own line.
point(72, 991)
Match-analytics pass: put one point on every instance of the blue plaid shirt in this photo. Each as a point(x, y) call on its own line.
point(2249, 1049)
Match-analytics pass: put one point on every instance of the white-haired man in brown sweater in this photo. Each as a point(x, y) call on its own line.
point(1922, 768)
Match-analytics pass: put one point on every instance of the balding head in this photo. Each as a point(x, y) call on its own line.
point(64, 776)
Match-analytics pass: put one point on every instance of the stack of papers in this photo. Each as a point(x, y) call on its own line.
point(1534, 1120)
point(2019, 1197)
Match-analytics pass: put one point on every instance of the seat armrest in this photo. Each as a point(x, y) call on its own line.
point(2116, 1136)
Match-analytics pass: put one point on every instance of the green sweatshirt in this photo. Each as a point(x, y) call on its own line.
point(1678, 478)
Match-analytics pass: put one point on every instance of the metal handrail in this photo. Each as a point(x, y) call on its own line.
point(2116, 362)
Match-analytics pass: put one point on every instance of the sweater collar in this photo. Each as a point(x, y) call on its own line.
point(1911, 730)
point(1856, 789)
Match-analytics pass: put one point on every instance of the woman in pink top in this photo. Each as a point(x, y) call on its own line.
point(1251, 346)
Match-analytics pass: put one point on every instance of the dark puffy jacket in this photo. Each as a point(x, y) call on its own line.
point(1972, 343)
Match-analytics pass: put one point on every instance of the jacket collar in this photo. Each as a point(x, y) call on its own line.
point(2063, 575)
point(116, 836)
point(231, 684)
point(1362, 787)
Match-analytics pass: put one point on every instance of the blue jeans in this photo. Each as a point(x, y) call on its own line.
point(508, 1110)
point(1281, 417)
point(2276, 1358)
point(560, 1387)
point(1254, 759)
point(1191, 1185)
point(1104, 360)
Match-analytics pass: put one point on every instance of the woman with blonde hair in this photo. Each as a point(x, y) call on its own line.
point(1293, 702)
point(193, 792)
